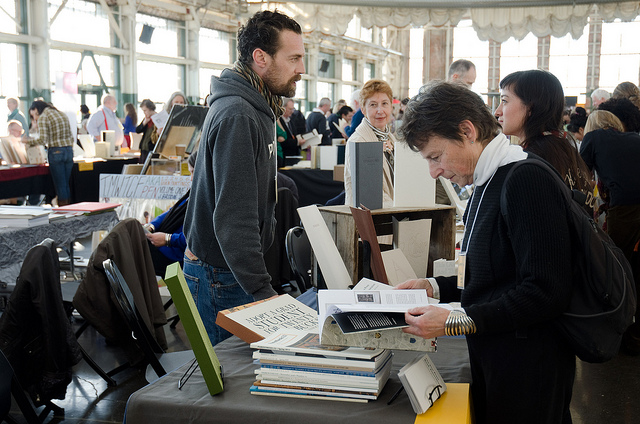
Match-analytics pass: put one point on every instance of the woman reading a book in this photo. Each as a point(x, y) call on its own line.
point(515, 261)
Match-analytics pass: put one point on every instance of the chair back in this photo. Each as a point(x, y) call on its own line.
point(6, 376)
point(299, 255)
point(139, 331)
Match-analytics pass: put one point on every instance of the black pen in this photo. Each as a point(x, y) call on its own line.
point(395, 395)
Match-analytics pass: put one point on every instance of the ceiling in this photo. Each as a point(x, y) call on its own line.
point(452, 4)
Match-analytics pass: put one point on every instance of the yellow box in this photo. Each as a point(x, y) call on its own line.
point(453, 407)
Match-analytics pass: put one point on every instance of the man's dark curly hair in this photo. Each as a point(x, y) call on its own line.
point(262, 31)
point(625, 110)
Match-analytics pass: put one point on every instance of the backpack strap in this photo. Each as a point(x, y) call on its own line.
point(538, 161)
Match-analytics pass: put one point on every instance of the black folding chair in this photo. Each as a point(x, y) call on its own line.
point(154, 355)
point(299, 255)
point(9, 385)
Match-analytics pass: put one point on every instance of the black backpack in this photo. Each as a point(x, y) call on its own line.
point(604, 294)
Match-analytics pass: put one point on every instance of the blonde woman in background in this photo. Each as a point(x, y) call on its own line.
point(627, 90)
point(376, 100)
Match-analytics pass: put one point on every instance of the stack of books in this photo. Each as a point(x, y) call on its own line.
point(295, 364)
point(23, 216)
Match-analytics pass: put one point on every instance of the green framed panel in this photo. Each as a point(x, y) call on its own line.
point(194, 327)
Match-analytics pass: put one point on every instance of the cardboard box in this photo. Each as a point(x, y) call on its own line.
point(338, 173)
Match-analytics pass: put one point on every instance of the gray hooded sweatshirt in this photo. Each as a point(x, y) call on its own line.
point(230, 218)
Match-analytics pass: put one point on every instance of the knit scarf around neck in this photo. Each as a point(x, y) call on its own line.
point(275, 102)
point(380, 134)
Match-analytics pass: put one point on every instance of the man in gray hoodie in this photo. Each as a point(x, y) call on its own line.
point(230, 220)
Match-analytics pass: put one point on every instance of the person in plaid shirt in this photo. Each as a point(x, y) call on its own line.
point(54, 131)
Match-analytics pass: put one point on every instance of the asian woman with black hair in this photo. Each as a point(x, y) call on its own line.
point(577, 121)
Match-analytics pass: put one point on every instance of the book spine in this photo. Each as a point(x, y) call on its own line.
point(310, 392)
point(277, 383)
point(317, 370)
point(323, 379)
point(300, 396)
point(236, 329)
point(370, 367)
point(317, 387)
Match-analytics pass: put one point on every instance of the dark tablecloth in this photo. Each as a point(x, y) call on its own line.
point(162, 402)
point(315, 186)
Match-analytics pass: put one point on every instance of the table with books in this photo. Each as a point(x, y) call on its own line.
point(18, 181)
point(15, 242)
point(162, 401)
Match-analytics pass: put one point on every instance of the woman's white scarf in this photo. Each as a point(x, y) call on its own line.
point(499, 152)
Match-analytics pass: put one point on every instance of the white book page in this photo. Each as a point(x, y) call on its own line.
point(324, 248)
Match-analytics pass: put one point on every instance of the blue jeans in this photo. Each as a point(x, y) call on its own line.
point(213, 290)
point(60, 165)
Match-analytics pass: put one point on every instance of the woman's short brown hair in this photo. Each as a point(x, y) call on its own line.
point(372, 87)
point(439, 109)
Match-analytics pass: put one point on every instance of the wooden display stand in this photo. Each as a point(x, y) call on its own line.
point(343, 230)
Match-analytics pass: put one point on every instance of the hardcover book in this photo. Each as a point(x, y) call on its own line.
point(422, 382)
point(87, 207)
point(295, 359)
point(292, 341)
point(255, 321)
point(366, 173)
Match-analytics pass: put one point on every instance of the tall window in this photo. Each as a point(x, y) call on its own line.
point(156, 81)
point(165, 40)
point(348, 69)
point(324, 89)
point(568, 62)
point(416, 60)
point(67, 61)
point(467, 45)
point(10, 18)
point(518, 55)
point(13, 70)
point(215, 46)
point(80, 22)
point(326, 65)
point(369, 71)
point(620, 53)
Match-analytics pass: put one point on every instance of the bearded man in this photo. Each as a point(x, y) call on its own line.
point(230, 219)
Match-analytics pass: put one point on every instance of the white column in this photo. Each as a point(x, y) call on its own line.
point(192, 77)
point(40, 52)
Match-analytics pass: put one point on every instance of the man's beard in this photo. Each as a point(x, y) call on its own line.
point(288, 89)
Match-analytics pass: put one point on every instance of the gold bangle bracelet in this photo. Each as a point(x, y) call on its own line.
point(459, 323)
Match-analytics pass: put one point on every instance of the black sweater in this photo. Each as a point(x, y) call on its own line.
point(614, 156)
point(518, 271)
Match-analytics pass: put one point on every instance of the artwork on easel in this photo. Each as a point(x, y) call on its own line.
point(181, 132)
point(194, 328)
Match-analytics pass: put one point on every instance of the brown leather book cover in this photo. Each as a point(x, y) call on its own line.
point(364, 224)
point(256, 320)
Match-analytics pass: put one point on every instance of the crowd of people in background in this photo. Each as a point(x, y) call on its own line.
point(518, 281)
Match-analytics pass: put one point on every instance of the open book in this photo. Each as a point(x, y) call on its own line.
point(370, 315)
point(311, 139)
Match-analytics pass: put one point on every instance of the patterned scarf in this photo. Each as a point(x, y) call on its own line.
point(380, 134)
point(245, 71)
